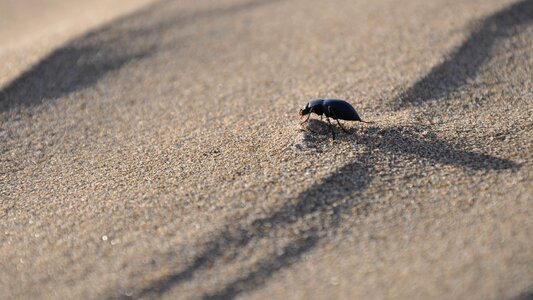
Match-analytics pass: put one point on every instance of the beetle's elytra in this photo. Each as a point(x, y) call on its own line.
point(332, 108)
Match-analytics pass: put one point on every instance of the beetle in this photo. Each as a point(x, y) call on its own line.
point(336, 109)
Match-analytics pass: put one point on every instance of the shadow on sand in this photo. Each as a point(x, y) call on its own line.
point(465, 62)
point(322, 207)
point(82, 62)
point(526, 295)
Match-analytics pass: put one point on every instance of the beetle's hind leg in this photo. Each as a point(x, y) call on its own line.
point(342, 127)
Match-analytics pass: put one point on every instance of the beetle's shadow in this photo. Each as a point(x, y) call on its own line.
point(322, 130)
point(413, 140)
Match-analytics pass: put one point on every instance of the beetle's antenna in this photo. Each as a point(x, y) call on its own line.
point(308, 116)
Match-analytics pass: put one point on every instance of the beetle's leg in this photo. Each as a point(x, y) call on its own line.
point(331, 127)
point(344, 129)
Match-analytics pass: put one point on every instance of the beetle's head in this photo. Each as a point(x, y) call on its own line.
point(305, 110)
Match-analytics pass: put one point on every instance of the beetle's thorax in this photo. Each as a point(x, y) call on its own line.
point(316, 106)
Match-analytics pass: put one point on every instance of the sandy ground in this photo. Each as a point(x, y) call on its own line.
point(159, 155)
point(30, 29)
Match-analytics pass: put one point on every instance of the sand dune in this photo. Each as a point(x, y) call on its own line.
point(154, 155)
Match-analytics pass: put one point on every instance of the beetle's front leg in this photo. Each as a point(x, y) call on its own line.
point(306, 120)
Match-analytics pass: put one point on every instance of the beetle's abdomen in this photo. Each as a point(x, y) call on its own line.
point(340, 109)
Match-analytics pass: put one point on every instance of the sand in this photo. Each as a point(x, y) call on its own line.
point(159, 154)
point(31, 29)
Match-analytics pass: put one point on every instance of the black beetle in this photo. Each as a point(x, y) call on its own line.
point(332, 108)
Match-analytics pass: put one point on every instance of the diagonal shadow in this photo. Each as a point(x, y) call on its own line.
point(75, 66)
point(328, 201)
point(465, 62)
point(267, 267)
point(66, 70)
point(228, 243)
point(82, 62)
point(525, 295)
